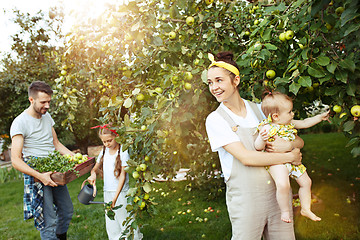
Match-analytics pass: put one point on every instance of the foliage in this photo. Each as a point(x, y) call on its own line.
point(31, 59)
point(9, 174)
point(143, 67)
point(54, 162)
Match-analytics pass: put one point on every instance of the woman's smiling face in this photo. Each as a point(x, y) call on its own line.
point(220, 84)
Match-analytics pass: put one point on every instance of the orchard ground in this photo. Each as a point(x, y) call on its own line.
point(184, 214)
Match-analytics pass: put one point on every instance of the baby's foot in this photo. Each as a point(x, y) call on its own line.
point(285, 216)
point(309, 214)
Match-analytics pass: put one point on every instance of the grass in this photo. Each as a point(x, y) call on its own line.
point(334, 172)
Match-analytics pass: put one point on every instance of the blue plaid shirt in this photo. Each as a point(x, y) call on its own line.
point(33, 200)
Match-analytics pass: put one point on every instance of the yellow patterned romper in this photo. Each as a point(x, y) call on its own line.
point(288, 133)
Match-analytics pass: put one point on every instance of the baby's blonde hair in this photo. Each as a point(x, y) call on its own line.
point(272, 101)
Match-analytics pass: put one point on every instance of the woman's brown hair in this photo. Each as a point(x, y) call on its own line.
point(117, 169)
point(227, 57)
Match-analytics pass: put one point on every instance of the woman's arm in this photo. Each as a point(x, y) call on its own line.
point(122, 178)
point(259, 159)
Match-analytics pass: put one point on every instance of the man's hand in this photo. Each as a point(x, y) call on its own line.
point(279, 145)
point(46, 179)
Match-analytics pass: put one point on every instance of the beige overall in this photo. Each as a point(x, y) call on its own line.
point(251, 195)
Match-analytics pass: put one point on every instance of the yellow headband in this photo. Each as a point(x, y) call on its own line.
point(226, 66)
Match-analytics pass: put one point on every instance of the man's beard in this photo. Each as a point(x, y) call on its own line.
point(40, 111)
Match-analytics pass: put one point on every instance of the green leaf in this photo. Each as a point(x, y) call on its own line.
point(147, 187)
point(352, 28)
point(267, 34)
point(204, 76)
point(348, 126)
point(331, 67)
point(355, 151)
point(132, 191)
point(323, 61)
point(331, 91)
point(351, 89)
point(352, 141)
point(305, 81)
point(348, 64)
point(341, 75)
point(294, 87)
point(269, 46)
point(315, 72)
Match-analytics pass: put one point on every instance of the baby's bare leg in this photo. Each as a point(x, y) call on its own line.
point(280, 174)
point(304, 182)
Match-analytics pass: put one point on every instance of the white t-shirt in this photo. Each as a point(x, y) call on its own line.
point(220, 133)
point(37, 133)
point(110, 181)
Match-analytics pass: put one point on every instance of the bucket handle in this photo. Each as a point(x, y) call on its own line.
point(94, 186)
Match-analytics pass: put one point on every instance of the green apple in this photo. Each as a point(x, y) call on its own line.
point(63, 72)
point(140, 97)
point(270, 74)
point(74, 90)
point(175, 152)
point(146, 196)
point(188, 76)
point(135, 175)
point(190, 21)
point(65, 95)
point(328, 26)
point(355, 111)
point(84, 158)
point(196, 61)
point(147, 158)
point(342, 115)
point(187, 86)
point(282, 37)
point(337, 108)
point(172, 35)
point(136, 199)
point(78, 156)
point(301, 46)
point(158, 90)
point(208, 2)
point(214, 165)
point(247, 33)
point(142, 205)
point(339, 10)
point(143, 167)
point(256, 22)
point(289, 35)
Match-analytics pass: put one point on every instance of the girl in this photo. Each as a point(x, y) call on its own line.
point(250, 190)
point(111, 163)
point(278, 108)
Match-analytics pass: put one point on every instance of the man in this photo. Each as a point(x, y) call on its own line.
point(33, 134)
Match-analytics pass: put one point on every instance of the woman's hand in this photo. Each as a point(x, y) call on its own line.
point(297, 156)
point(279, 145)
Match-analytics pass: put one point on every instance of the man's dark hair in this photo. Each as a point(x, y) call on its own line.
point(39, 86)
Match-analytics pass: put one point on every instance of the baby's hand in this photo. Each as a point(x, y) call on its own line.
point(325, 116)
point(264, 134)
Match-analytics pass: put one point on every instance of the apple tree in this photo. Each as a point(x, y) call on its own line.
point(143, 65)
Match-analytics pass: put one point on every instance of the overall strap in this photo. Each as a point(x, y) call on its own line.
point(228, 119)
point(256, 110)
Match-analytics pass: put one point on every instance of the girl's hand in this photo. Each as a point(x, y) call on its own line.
point(92, 179)
point(113, 202)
